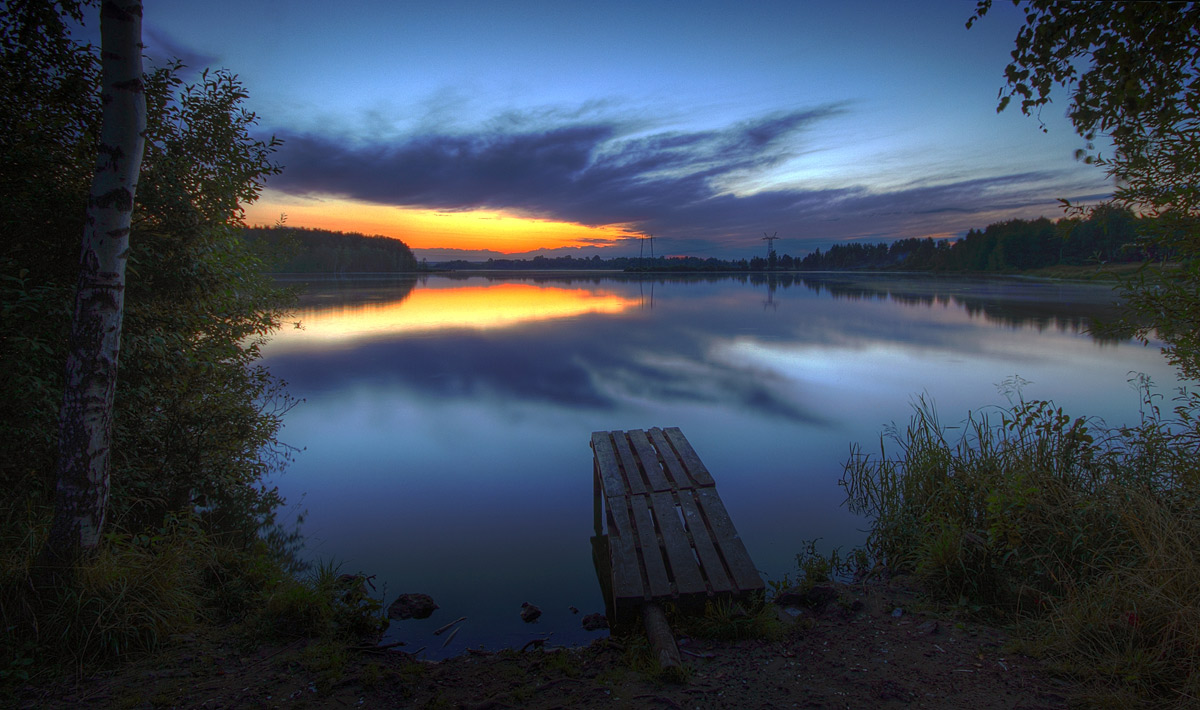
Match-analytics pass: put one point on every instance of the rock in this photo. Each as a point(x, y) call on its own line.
point(595, 622)
point(573, 610)
point(929, 627)
point(815, 597)
point(897, 613)
point(529, 613)
point(412, 606)
point(788, 616)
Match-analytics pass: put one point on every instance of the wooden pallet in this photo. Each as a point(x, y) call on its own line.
point(669, 536)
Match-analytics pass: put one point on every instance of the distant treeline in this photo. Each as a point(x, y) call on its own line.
point(1109, 235)
point(293, 250)
point(619, 263)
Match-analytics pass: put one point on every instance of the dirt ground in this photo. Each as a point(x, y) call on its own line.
point(857, 652)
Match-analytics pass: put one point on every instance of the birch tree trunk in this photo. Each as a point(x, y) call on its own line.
point(85, 419)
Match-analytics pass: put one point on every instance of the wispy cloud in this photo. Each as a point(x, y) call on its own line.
point(592, 169)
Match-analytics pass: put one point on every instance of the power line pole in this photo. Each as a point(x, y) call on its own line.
point(770, 243)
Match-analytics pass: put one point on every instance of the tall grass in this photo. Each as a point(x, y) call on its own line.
point(137, 591)
point(1087, 535)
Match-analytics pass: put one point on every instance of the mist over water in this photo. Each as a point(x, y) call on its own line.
point(446, 419)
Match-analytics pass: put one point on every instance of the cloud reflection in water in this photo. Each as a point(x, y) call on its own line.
point(446, 426)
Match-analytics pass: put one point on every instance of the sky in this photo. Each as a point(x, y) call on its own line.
point(488, 129)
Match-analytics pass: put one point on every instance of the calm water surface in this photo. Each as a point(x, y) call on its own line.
point(446, 419)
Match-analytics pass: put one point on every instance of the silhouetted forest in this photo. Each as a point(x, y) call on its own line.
point(293, 250)
point(1109, 235)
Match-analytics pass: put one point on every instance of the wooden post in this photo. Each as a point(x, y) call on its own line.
point(662, 640)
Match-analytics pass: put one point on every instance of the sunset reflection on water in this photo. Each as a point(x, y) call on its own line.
point(442, 441)
point(426, 310)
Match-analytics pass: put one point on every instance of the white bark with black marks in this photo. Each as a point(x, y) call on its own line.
point(85, 420)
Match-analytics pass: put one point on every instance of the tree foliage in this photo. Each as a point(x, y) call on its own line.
point(195, 416)
point(1132, 71)
point(291, 250)
point(1108, 234)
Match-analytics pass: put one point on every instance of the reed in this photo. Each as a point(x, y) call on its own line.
point(1084, 535)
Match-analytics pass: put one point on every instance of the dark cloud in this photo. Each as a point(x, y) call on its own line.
point(595, 171)
point(162, 48)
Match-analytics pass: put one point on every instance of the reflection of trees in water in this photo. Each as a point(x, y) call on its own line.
point(1072, 308)
point(1008, 303)
point(352, 291)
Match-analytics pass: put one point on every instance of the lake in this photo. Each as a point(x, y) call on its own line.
point(447, 419)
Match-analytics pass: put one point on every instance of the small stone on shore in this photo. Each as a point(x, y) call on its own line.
point(529, 613)
point(412, 606)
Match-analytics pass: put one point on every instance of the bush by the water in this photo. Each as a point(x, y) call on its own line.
point(190, 533)
point(1087, 535)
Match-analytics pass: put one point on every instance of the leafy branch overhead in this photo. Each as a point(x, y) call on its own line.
point(1131, 66)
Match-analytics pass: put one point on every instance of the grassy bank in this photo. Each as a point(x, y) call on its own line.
point(1099, 272)
point(140, 593)
point(1085, 537)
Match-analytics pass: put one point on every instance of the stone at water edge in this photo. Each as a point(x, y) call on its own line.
point(816, 597)
point(529, 613)
point(595, 622)
point(412, 606)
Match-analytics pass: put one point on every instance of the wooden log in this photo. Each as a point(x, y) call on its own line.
point(662, 641)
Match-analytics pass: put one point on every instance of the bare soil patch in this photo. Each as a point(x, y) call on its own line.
point(858, 652)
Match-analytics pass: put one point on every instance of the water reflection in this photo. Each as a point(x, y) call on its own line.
point(447, 420)
point(365, 313)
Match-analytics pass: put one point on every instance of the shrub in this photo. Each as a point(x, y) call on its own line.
point(1088, 534)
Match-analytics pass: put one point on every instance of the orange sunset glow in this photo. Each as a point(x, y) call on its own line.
point(431, 229)
point(460, 307)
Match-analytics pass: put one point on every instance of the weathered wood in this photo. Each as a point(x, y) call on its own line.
point(627, 579)
point(652, 560)
point(629, 466)
point(670, 459)
point(669, 535)
point(666, 652)
point(648, 458)
point(684, 567)
point(691, 461)
point(728, 542)
point(607, 470)
point(713, 566)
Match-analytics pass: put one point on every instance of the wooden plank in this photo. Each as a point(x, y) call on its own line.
point(607, 468)
point(670, 459)
point(688, 456)
point(626, 572)
point(706, 549)
point(649, 460)
point(647, 541)
point(629, 465)
point(730, 545)
point(684, 567)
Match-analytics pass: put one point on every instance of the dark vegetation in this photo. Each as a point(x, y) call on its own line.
point(190, 533)
point(291, 250)
point(1085, 536)
point(1107, 235)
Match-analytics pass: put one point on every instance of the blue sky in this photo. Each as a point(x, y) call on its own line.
point(704, 123)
